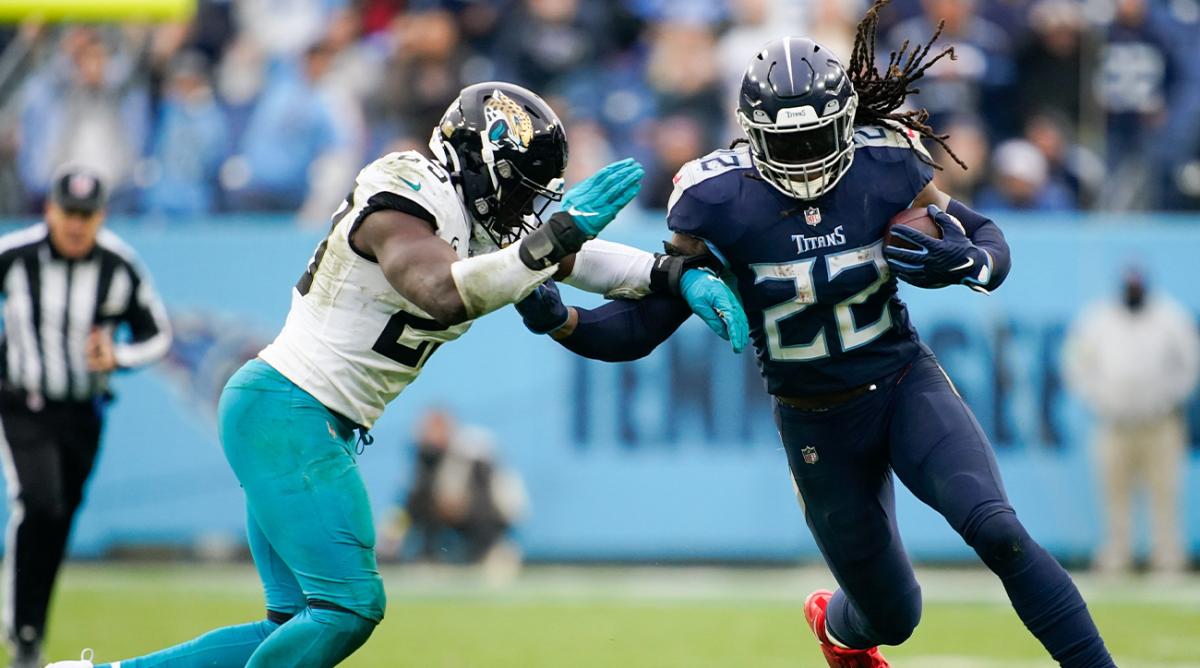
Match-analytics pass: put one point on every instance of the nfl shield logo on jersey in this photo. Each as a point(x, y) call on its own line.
point(810, 454)
point(812, 216)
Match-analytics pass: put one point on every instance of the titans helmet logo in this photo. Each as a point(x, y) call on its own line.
point(507, 123)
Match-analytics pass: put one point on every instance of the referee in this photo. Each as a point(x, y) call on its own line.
point(68, 285)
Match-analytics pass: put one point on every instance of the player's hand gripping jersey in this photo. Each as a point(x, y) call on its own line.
point(350, 339)
point(822, 304)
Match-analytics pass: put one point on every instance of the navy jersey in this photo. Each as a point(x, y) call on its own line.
point(824, 314)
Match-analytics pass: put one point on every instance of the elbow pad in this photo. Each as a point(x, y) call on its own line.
point(489, 282)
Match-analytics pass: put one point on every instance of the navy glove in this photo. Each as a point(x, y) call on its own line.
point(936, 263)
point(717, 305)
point(543, 310)
point(597, 200)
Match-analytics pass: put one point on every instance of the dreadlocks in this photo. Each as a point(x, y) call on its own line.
point(881, 94)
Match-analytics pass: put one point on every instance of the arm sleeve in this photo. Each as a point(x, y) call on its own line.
point(986, 235)
point(149, 327)
point(625, 330)
point(612, 270)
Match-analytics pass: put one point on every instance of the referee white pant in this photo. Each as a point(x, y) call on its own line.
point(1134, 457)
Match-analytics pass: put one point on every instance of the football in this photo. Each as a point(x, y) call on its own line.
point(918, 219)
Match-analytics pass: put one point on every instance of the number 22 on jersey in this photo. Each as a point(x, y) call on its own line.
point(800, 273)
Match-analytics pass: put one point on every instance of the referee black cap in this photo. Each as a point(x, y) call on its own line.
point(78, 189)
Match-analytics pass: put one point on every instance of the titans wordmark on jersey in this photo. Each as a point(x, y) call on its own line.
point(350, 339)
point(824, 314)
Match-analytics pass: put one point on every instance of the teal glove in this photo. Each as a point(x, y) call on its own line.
point(717, 305)
point(595, 202)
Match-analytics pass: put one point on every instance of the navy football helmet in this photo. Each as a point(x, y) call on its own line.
point(506, 151)
point(796, 107)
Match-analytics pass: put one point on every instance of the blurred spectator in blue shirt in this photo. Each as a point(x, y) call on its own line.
point(693, 11)
point(616, 97)
point(1135, 83)
point(422, 76)
point(979, 80)
point(86, 108)
point(189, 145)
point(1021, 182)
point(291, 128)
point(1012, 16)
point(285, 29)
point(545, 41)
point(1068, 163)
point(239, 80)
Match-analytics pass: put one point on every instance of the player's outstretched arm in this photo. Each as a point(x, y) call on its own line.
point(972, 250)
point(427, 271)
point(619, 271)
point(621, 330)
point(625, 329)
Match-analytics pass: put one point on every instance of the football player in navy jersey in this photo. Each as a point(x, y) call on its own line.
point(795, 216)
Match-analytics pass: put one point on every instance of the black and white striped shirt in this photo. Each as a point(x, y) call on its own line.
point(51, 304)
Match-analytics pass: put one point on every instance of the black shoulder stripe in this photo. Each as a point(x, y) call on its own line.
point(109, 263)
point(388, 201)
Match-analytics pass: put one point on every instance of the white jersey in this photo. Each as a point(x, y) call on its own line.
point(350, 339)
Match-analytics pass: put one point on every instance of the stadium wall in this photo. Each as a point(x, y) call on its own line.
point(674, 457)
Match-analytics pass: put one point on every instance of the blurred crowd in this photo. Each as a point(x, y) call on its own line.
point(273, 105)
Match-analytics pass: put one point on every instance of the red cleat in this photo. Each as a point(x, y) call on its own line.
point(837, 657)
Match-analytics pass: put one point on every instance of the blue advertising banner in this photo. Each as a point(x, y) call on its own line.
point(674, 457)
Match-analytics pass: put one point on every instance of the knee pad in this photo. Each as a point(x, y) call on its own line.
point(1000, 540)
point(893, 624)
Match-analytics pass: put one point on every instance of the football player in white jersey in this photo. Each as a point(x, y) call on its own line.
point(419, 249)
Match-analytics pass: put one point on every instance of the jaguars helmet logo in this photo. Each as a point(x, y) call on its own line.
point(507, 123)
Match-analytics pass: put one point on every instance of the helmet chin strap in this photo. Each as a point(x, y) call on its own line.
point(443, 153)
point(449, 159)
point(489, 160)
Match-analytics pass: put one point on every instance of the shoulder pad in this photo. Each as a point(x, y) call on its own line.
point(888, 166)
point(411, 176)
point(699, 177)
point(408, 181)
point(891, 135)
point(403, 171)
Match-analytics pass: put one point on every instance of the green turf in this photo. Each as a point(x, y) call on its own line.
point(610, 617)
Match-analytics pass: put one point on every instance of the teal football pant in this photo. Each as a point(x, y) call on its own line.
point(309, 527)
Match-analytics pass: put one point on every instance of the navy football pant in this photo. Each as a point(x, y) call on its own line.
point(915, 424)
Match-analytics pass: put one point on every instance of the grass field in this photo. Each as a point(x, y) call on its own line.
point(605, 617)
